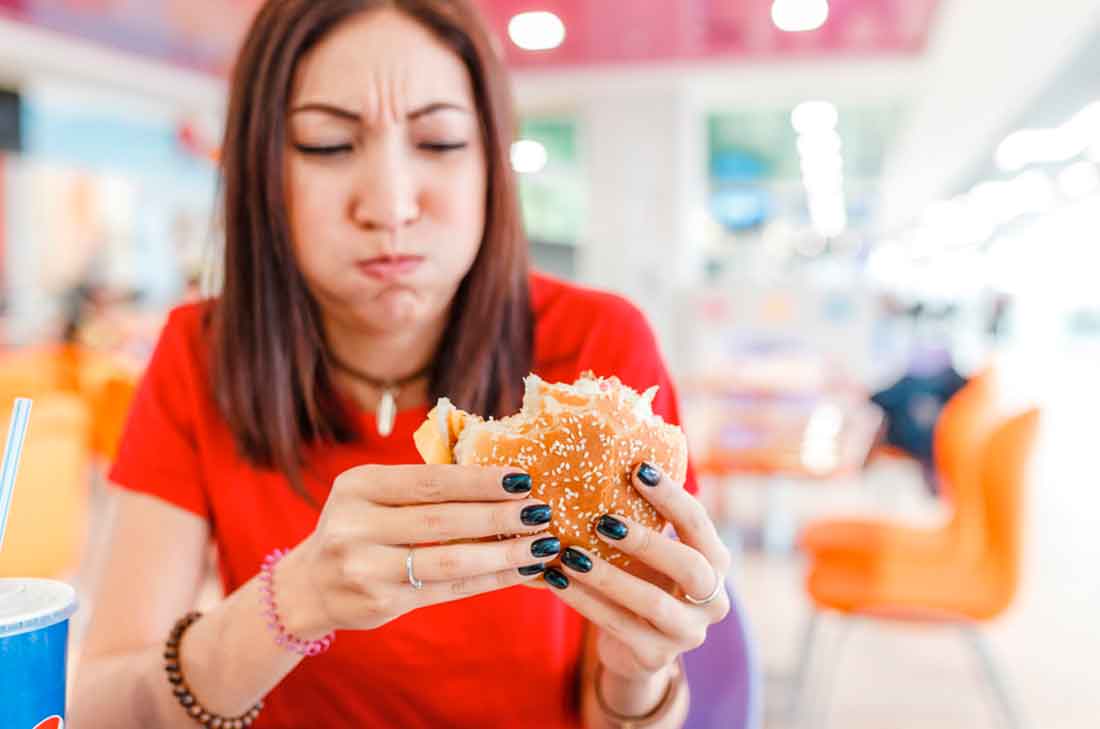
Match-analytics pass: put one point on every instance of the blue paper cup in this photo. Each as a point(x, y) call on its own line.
point(34, 642)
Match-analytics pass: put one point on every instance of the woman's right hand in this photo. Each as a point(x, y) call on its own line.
point(351, 572)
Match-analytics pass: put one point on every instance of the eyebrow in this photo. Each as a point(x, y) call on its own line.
point(354, 116)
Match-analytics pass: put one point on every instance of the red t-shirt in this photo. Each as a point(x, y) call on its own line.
point(505, 659)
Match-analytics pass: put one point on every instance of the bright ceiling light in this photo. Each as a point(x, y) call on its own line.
point(1079, 180)
point(813, 117)
point(796, 16)
point(1028, 146)
point(536, 31)
point(826, 142)
point(528, 156)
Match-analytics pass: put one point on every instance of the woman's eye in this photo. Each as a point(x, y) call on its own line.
point(442, 146)
point(326, 150)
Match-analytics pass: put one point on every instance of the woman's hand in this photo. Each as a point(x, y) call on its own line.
point(644, 625)
point(351, 573)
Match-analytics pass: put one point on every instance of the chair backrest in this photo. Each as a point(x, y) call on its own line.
point(1004, 471)
point(49, 510)
point(110, 408)
point(962, 431)
point(725, 677)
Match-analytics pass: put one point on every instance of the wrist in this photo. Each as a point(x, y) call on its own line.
point(300, 607)
point(632, 695)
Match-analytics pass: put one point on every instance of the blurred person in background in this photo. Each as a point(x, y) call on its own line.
point(373, 245)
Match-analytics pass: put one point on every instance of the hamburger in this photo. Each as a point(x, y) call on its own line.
point(580, 443)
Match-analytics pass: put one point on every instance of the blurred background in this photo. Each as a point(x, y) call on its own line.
point(867, 233)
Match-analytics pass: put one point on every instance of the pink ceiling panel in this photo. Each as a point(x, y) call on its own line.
point(205, 33)
point(614, 31)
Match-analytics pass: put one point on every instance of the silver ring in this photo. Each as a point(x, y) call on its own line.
point(417, 584)
point(711, 597)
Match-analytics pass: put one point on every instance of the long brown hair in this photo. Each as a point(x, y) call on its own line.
point(271, 379)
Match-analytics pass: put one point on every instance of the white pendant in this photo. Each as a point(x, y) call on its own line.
point(387, 411)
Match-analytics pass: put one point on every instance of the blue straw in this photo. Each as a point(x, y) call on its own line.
point(13, 449)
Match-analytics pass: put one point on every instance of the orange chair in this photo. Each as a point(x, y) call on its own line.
point(964, 426)
point(48, 519)
point(958, 583)
point(110, 407)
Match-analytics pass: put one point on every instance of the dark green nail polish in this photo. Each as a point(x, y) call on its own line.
point(535, 515)
point(555, 578)
point(611, 527)
point(517, 483)
point(649, 475)
point(546, 547)
point(532, 569)
point(575, 560)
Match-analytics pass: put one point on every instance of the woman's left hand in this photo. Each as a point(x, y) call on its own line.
point(643, 627)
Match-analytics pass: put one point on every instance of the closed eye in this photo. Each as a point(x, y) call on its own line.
point(443, 147)
point(323, 151)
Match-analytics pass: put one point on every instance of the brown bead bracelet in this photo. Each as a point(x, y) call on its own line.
point(183, 693)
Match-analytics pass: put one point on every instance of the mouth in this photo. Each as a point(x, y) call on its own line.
point(388, 268)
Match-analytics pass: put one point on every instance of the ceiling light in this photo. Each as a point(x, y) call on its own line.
point(536, 31)
point(528, 156)
point(796, 16)
point(812, 117)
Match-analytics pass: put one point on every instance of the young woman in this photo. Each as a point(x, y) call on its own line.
point(374, 261)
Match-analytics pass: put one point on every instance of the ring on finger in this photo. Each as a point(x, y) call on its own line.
point(416, 584)
point(718, 586)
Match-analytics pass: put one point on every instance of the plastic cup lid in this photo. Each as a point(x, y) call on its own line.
point(28, 604)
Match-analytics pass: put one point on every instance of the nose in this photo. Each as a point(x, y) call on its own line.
point(385, 198)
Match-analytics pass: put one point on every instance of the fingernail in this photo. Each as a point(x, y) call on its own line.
point(575, 560)
point(536, 514)
point(611, 527)
point(517, 483)
point(649, 475)
point(556, 578)
point(546, 547)
point(532, 569)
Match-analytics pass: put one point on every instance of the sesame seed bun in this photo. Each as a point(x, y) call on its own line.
point(580, 443)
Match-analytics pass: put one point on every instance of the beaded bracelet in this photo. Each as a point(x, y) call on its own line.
point(283, 637)
point(183, 694)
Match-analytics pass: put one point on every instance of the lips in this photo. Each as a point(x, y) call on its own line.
point(388, 268)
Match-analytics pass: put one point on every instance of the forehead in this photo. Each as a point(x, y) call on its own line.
point(382, 57)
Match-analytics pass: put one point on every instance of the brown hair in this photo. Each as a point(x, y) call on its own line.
point(270, 368)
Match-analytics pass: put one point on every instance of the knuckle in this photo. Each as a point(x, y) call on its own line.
point(435, 522)
point(431, 487)
point(696, 518)
point(450, 564)
point(503, 519)
point(645, 540)
point(463, 587)
point(652, 660)
point(663, 610)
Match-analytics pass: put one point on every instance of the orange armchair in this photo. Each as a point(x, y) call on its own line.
point(959, 576)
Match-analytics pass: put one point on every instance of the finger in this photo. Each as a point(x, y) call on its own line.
point(433, 593)
point(664, 612)
point(448, 522)
point(685, 566)
point(692, 523)
point(653, 649)
point(454, 561)
point(433, 484)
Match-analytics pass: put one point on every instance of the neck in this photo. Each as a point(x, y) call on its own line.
point(386, 356)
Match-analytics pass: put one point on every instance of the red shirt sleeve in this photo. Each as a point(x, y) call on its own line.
point(623, 343)
point(158, 454)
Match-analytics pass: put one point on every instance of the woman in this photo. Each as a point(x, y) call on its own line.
point(374, 251)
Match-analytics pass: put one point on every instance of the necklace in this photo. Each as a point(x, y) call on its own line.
point(387, 406)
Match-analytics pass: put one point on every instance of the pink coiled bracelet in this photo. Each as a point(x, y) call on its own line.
point(283, 637)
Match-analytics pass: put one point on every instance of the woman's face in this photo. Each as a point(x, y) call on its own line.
point(385, 173)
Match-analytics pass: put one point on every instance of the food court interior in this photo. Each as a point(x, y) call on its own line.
point(857, 228)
